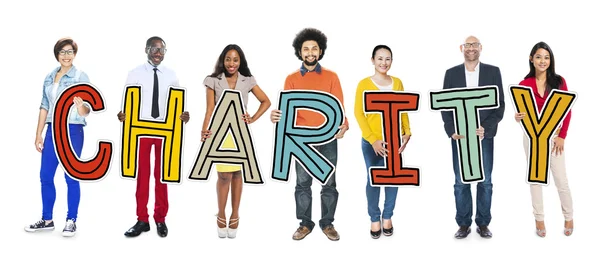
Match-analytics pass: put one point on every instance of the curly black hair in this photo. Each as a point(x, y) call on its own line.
point(310, 34)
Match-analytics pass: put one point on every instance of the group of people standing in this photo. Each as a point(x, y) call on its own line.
point(231, 72)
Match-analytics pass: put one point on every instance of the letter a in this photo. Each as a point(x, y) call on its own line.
point(228, 118)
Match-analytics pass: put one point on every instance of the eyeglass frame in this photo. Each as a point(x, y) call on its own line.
point(469, 45)
point(66, 52)
point(152, 50)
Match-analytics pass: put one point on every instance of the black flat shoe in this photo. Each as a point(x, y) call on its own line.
point(462, 232)
point(161, 229)
point(388, 232)
point(375, 234)
point(137, 229)
point(484, 231)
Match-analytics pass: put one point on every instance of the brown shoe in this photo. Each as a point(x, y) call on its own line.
point(331, 233)
point(301, 233)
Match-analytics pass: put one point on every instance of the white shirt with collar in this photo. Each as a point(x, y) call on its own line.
point(472, 78)
point(144, 75)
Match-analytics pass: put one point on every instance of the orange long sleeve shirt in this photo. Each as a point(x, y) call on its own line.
point(326, 81)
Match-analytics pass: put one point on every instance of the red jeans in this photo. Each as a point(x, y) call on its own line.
point(161, 202)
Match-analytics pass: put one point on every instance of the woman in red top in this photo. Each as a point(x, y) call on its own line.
point(542, 79)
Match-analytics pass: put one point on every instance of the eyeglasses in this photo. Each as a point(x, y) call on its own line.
point(63, 52)
point(156, 49)
point(469, 45)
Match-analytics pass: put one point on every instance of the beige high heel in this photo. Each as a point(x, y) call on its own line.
point(232, 232)
point(222, 232)
point(540, 232)
point(568, 231)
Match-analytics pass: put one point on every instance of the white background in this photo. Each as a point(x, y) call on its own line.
point(425, 39)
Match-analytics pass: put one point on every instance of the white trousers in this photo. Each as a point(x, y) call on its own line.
point(559, 173)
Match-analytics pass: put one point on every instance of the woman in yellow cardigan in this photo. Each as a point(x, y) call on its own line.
point(373, 148)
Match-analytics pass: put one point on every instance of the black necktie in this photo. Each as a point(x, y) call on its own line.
point(155, 112)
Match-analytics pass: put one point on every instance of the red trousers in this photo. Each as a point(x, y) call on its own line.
point(161, 201)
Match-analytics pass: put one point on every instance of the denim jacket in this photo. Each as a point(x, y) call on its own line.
point(68, 79)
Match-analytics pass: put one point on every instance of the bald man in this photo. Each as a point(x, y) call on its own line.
point(473, 73)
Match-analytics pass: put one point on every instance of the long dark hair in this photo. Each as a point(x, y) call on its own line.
point(220, 65)
point(553, 80)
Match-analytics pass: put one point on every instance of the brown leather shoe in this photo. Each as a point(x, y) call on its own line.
point(301, 233)
point(331, 233)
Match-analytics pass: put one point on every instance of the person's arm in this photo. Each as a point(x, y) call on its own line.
point(404, 121)
point(185, 116)
point(131, 80)
point(361, 117)
point(447, 116)
point(210, 107)
point(405, 124)
point(497, 114)
point(176, 80)
point(83, 108)
point(336, 90)
point(39, 140)
point(45, 102)
point(265, 103)
point(565, 124)
point(405, 133)
point(276, 113)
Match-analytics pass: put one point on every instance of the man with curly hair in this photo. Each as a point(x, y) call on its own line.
point(309, 46)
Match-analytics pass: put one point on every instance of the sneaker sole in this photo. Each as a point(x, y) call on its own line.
point(68, 234)
point(31, 230)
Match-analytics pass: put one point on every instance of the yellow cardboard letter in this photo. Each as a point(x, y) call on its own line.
point(170, 131)
point(540, 127)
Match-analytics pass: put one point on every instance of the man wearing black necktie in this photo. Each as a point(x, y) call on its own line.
point(155, 80)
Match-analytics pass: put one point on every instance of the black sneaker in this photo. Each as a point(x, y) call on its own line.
point(70, 228)
point(40, 226)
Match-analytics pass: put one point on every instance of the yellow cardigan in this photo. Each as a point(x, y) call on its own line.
point(370, 124)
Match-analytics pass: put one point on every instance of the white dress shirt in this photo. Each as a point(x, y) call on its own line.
point(144, 75)
point(472, 77)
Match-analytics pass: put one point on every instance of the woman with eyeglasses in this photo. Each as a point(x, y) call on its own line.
point(543, 79)
point(373, 148)
point(231, 73)
point(55, 83)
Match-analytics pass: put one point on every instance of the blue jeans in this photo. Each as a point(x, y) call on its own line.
point(372, 159)
point(329, 193)
point(462, 192)
point(48, 171)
